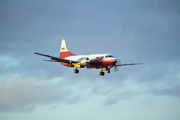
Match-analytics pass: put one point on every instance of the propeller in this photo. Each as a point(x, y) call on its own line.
point(115, 67)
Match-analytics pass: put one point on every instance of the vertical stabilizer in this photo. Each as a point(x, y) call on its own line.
point(63, 46)
point(63, 50)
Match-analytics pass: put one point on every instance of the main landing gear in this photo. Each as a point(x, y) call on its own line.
point(102, 73)
point(76, 71)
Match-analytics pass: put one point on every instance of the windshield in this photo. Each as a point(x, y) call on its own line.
point(109, 56)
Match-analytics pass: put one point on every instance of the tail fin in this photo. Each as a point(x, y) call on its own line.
point(63, 51)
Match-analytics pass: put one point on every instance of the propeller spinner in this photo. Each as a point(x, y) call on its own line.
point(117, 63)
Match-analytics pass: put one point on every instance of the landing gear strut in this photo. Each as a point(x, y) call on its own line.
point(101, 73)
point(76, 71)
point(108, 70)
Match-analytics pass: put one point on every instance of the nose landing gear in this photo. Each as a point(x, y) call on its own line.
point(108, 70)
point(104, 68)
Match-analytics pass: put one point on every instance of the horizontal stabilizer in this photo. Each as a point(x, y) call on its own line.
point(50, 60)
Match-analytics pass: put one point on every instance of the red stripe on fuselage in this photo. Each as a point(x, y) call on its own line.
point(104, 62)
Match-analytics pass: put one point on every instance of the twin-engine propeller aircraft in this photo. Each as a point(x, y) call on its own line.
point(98, 61)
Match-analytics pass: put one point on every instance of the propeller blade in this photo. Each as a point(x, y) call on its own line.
point(115, 69)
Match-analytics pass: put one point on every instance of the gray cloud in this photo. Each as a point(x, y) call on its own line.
point(168, 90)
point(24, 95)
point(120, 96)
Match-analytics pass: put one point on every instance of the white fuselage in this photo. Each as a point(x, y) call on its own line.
point(94, 60)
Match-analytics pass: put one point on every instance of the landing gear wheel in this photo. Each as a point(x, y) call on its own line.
point(101, 73)
point(108, 71)
point(76, 71)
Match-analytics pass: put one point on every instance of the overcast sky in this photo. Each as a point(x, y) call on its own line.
point(146, 31)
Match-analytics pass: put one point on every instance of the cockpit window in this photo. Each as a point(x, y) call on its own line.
point(109, 56)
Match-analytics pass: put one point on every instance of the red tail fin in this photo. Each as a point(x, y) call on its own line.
point(63, 51)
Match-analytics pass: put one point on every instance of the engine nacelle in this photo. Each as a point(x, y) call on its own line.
point(84, 61)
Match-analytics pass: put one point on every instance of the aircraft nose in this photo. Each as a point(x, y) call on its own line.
point(115, 60)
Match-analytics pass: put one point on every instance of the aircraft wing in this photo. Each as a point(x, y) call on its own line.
point(129, 64)
point(55, 59)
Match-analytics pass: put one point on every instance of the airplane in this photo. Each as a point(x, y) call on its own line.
point(97, 61)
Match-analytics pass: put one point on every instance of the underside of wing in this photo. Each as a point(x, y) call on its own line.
point(55, 59)
point(129, 64)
